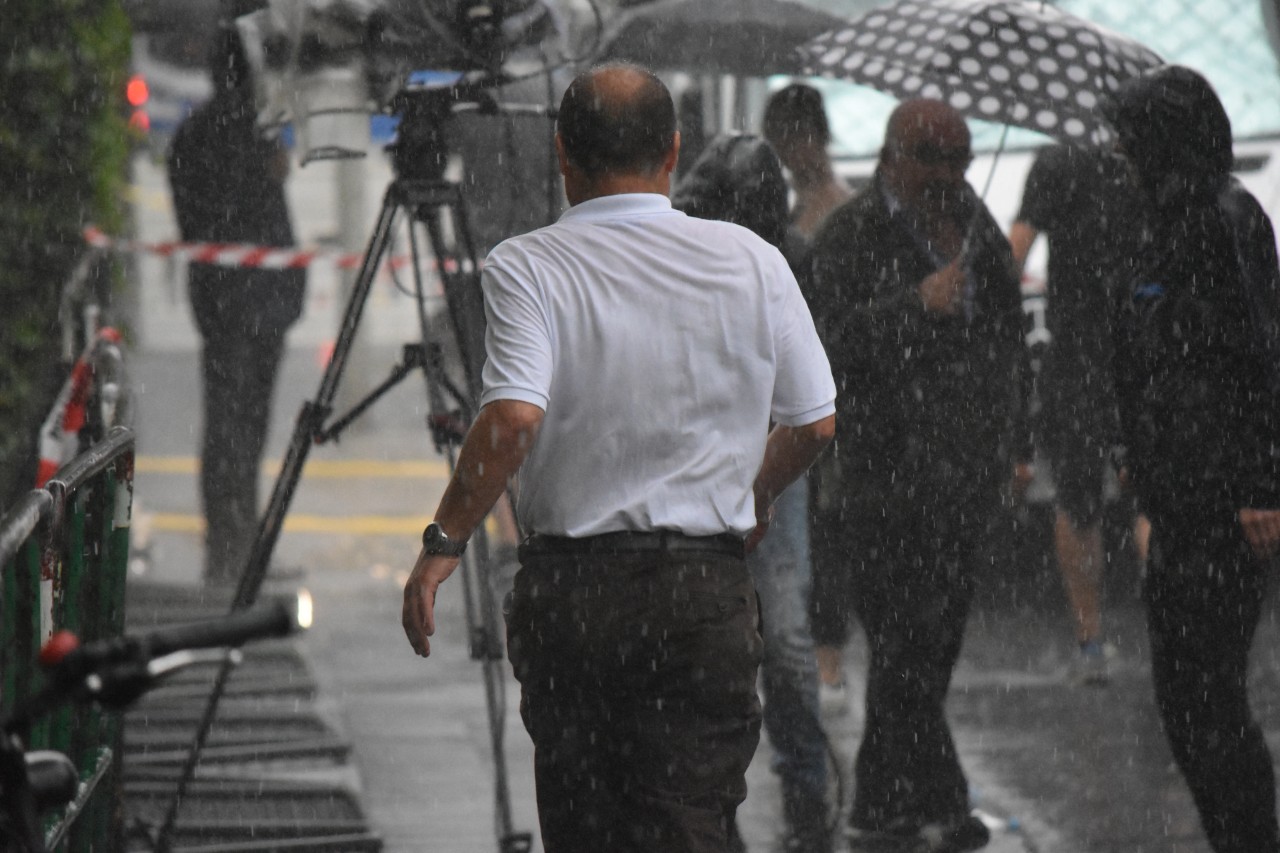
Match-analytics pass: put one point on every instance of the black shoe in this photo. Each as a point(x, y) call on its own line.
point(805, 817)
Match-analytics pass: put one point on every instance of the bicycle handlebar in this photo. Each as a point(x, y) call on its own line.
point(273, 620)
point(114, 671)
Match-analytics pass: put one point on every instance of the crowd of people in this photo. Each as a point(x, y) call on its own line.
point(891, 326)
point(750, 410)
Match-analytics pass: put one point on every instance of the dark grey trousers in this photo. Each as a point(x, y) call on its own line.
point(638, 688)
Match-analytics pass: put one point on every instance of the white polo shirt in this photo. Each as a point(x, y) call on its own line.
point(659, 346)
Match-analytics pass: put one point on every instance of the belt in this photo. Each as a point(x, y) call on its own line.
point(632, 542)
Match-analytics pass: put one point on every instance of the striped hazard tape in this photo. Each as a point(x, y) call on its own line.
point(246, 255)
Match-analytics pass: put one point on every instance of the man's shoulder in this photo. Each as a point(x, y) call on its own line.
point(865, 209)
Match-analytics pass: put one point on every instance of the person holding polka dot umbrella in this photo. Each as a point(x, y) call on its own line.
point(1025, 64)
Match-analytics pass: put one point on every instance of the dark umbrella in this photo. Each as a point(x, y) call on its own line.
point(1021, 63)
point(747, 38)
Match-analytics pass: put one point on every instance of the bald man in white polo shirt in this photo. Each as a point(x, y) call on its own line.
point(636, 357)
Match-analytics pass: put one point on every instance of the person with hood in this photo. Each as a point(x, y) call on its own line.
point(739, 179)
point(916, 296)
point(227, 181)
point(1197, 344)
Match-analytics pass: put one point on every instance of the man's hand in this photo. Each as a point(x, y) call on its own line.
point(756, 536)
point(940, 292)
point(1262, 530)
point(418, 613)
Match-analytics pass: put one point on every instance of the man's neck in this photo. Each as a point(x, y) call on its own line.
point(619, 185)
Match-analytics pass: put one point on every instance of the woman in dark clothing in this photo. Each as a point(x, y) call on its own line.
point(1197, 385)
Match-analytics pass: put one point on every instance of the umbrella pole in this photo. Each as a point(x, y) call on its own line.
point(995, 161)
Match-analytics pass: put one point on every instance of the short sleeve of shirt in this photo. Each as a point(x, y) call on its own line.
point(518, 340)
point(1044, 196)
point(804, 391)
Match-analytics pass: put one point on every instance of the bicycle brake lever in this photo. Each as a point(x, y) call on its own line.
point(160, 667)
point(122, 685)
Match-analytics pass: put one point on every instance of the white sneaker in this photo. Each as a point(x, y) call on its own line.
point(1090, 667)
point(833, 699)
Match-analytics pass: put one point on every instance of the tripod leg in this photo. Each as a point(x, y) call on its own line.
point(466, 308)
point(310, 420)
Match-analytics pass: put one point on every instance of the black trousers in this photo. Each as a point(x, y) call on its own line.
point(911, 583)
point(1204, 594)
point(638, 689)
point(240, 366)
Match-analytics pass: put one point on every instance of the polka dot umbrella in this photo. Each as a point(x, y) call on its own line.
point(1021, 63)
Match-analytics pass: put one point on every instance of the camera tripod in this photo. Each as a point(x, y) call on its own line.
point(431, 203)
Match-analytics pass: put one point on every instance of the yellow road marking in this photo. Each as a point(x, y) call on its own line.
point(358, 525)
point(336, 469)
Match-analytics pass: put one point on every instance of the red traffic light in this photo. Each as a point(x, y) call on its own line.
point(136, 91)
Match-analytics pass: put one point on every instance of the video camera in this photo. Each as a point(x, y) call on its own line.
point(326, 66)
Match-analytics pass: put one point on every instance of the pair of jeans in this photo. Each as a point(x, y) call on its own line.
point(782, 573)
point(1204, 592)
point(638, 688)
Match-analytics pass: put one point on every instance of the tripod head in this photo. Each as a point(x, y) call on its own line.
point(426, 105)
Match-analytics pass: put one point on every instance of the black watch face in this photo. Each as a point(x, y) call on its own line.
point(435, 541)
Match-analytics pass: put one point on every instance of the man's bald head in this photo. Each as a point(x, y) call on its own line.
point(925, 121)
point(616, 119)
point(925, 155)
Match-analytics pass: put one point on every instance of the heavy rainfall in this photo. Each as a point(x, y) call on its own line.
point(811, 426)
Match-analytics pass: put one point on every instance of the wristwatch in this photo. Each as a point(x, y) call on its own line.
point(436, 543)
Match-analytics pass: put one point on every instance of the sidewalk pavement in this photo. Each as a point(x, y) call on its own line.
point(1059, 769)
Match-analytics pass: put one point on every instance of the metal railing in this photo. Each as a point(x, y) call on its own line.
point(64, 552)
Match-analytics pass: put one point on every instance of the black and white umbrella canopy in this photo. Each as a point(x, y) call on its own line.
point(1021, 63)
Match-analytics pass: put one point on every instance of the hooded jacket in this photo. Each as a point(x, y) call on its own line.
point(1197, 327)
point(738, 179)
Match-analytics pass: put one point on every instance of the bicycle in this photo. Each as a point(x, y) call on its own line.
point(113, 673)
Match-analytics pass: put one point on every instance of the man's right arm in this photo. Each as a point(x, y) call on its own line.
point(788, 453)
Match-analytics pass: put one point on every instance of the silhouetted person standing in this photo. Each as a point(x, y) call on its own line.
point(227, 182)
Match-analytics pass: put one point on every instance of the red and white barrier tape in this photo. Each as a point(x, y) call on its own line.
point(59, 434)
point(244, 255)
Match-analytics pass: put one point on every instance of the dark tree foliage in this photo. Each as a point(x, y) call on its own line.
point(63, 164)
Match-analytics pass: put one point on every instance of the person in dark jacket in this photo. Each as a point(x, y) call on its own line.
point(917, 300)
point(1196, 380)
point(228, 187)
point(739, 179)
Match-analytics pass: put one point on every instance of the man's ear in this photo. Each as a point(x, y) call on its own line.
point(673, 156)
point(561, 156)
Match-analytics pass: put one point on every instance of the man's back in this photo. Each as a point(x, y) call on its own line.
point(633, 300)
